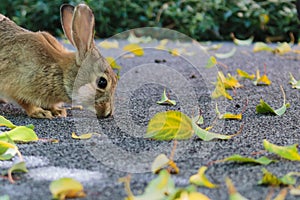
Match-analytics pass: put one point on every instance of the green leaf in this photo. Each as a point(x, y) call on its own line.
point(6, 122)
point(226, 55)
point(207, 136)
point(20, 134)
point(270, 179)
point(212, 61)
point(4, 197)
point(287, 152)
point(66, 188)
point(158, 188)
point(165, 100)
point(170, 125)
point(240, 159)
point(294, 82)
point(233, 193)
point(265, 108)
point(245, 42)
point(18, 167)
point(200, 179)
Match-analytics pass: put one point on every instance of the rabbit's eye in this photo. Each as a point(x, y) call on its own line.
point(102, 83)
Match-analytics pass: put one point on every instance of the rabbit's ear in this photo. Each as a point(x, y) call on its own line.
point(66, 16)
point(83, 29)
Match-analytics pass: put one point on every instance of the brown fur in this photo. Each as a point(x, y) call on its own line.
point(37, 72)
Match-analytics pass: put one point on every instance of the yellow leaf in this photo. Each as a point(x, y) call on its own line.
point(260, 46)
point(261, 80)
point(66, 188)
point(135, 49)
point(174, 52)
point(231, 116)
point(220, 90)
point(283, 48)
point(244, 74)
point(264, 19)
point(109, 44)
point(170, 125)
point(82, 137)
point(200, 179)
point(162, 44)
point(212, 61)
point(5, 122)
point(229, 82)
point(111, 61)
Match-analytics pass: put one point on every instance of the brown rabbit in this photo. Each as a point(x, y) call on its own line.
point(39, 74)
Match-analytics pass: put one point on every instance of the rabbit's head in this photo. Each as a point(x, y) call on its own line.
point(95, 81)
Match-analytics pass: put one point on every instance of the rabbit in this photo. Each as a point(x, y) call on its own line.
point(38, 73)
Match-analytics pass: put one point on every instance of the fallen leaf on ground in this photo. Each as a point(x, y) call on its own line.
point(82, 137)
point(294, 82)
point(220, 90)
point(207, 136)
point(265, 108)
point(282, 48)
point(162, 44)
point(245, 75)
point(174, 52)
point(261, 80)
point(114, 44)
point(133, 39)
point(165, 100)
point(66, 188)
point(200, 179)
point(272, 180)
point(260, 46)
point(240, 42)
point(19, 167)
point(170, 125)
point(287, 152)
point(229, 82)
point(8, 149)
point(20, 134)
point(295, 191)
point(111, 61)
point(159, 188)
point(241, 159)
point(212, 61)
point(228, 115)
point(135, 49)
point(6, 122)
point(233, 193)
point(226, 55)
point(4, 197)
point(192, 196)
point(162, 161)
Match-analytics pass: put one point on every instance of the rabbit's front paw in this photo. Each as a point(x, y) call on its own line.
point(59, 112)
point(41, 113)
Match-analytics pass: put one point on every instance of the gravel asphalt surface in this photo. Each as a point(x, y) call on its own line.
point(120, 148)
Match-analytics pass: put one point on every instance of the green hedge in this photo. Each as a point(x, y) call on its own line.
point(200, 19)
